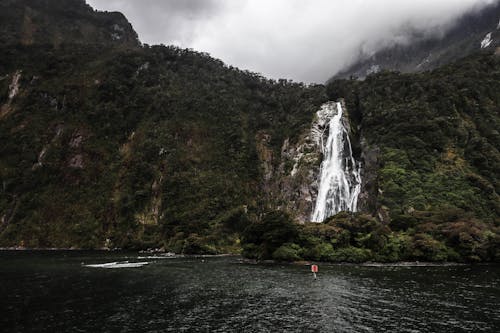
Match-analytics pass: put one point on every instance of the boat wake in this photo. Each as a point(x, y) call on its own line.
point(116, 264)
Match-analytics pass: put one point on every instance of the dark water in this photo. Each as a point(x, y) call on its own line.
point(55, 292)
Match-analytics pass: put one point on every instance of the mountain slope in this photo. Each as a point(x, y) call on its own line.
point(437, 133)
point(471, 33)
point(429, 147)
point(106, 144)
point(129, 146)
point(30, 22)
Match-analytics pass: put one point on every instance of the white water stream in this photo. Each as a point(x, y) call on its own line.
point(340, 176)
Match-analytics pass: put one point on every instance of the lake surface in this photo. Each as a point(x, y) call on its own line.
point(57, 292)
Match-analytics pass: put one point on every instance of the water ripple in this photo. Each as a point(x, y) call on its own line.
point(224, 295)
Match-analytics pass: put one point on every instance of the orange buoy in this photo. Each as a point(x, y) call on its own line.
point(314, 270)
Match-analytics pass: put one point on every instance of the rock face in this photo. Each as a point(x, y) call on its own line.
point(298, 175)
point(152, 212)
point(14, 87)
point(289, 182)
point(265, 154)
point(369, 173)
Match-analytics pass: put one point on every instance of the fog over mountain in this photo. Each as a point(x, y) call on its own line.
point(303, 40)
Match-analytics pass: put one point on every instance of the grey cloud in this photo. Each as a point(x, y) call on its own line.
point(157, 21)
point(303, 40)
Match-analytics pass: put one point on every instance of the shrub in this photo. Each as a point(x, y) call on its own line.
point(266, 236)
point(429, 249)
point(288, 252)
point(321, 252)
point(194, 244)
point(351, 254)
point(403, 222)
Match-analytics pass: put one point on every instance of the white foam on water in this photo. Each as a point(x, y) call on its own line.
point(161, 255)
point(117, 264)
point(157, 257)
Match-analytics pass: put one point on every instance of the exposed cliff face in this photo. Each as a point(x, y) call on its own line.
point(370, 155)
point(297, 177)
point(13, 90)
point(290, 182)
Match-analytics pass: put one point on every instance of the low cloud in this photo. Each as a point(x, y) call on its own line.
point(303, 40)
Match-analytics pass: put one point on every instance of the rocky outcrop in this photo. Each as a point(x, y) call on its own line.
point(76, 162)
point(265, 154)
point(289, 180)
point(298, 176)
point(369, 177)
point(152, 213)
point(14, 87)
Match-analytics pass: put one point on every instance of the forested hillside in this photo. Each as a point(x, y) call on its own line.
point(430, 147)
point(136, 145)
point(106, 143)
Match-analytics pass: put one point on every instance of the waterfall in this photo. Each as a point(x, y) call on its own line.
point(339, 178)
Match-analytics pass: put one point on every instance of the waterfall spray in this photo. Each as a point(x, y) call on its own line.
point(340, 176)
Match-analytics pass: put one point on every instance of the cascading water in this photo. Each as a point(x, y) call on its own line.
point(340, 176)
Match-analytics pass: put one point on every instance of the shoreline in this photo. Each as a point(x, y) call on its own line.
point(140, 252)
point(365, 264)
point(55, 249)
point(251, 261)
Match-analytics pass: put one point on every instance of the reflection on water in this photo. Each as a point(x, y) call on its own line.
point(56, 291)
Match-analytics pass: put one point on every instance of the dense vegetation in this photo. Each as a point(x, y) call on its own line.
point(146, 147)
point(445, 235)
point(436, 199)
point(115, 145)
point(437, 133)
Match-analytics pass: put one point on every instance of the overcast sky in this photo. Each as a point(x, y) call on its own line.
point(305, 40)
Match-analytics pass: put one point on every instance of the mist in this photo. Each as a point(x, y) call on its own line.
point(306, 41)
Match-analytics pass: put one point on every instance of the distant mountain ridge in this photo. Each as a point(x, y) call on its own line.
point(471, 33)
